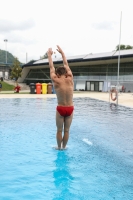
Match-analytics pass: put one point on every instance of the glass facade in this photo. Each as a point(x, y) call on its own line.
point(99, 72)
point(38, 75)
point(104, 72)
point(88, 73)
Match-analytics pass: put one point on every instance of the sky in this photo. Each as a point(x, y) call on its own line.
point(77, 26)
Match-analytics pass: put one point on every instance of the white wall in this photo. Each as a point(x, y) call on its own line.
point(25, 71)
point(105, 86)
point(1, 74)
point(6, 75)
point(80, 85)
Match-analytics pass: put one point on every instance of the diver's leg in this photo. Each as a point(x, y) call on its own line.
point(59, 124)
point(67, 124)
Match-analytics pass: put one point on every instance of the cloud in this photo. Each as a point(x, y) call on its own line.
point(105, 25)
point(20, 38)
point(8, 26)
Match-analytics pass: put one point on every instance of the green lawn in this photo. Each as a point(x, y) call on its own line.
point(7, 87)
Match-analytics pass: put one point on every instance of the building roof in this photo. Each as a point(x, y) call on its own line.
point(86, 57)
point(60, 59)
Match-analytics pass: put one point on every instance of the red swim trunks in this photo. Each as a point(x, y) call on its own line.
point(65, 111)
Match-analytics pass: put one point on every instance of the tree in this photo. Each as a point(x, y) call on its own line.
point(44, 56)
point(16, 70)
point(123, 47)
point(129, 47)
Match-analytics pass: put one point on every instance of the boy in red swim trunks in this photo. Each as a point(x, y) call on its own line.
point(63, 84)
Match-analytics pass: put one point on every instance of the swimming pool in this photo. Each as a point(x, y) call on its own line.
point(98, 163)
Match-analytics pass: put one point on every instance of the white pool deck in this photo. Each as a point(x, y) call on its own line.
point(125, 99)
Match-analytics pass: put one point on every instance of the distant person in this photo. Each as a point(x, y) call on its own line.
point(63, 84)
point(17, 88)
point(0, 86)
point(123, 88)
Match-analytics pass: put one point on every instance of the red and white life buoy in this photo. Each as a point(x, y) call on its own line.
point(112, 96)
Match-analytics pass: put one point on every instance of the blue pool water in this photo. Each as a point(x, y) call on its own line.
point(98, 163)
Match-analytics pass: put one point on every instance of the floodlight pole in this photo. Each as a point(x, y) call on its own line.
point(119, 60)
point(6, 49)
point(26, 57)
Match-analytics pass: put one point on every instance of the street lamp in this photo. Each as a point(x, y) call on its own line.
point(6, 48)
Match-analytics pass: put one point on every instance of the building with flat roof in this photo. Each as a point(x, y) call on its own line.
point(92, 72)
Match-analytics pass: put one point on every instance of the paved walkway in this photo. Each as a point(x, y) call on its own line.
point(125, 99)
point(22, 85)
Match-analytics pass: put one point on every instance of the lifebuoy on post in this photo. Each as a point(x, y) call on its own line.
point(113, 97)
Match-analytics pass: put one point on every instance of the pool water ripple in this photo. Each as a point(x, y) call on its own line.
point(98, 163)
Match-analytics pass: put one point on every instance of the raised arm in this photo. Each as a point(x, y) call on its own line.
point(69, 72)
point(51, 65)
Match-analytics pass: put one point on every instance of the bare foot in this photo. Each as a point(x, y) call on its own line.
point(57, 148)
point(64, 148)
point(60, 149)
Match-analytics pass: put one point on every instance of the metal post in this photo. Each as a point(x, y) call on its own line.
point(119, 59)
point(26, 57)
point(109, 97)
point(6, 48)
